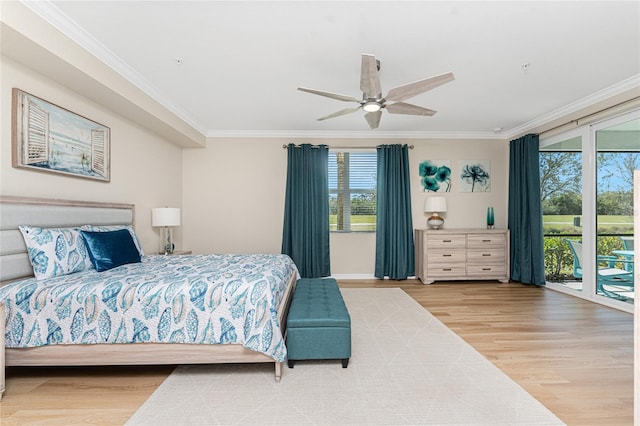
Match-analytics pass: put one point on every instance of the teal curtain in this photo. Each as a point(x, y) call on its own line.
point(525, 211)
point(394, 226)
point(305, 235)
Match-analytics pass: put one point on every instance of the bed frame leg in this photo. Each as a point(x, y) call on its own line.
point(278, 371)
point(1, 350)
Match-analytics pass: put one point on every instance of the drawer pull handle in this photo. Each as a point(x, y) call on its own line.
point(446, 255)
point(486, 269)
point(486, 254)
point(446, 269)
point(486, 241)
point(446, 241)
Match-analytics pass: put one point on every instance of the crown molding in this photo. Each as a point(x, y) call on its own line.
point(628, 84)
point(307, 134)
point(54, 16)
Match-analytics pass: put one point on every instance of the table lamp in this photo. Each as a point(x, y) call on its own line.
point(435, 205)
point(165, 217)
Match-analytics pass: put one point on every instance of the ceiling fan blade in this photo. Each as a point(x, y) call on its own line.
point(339, 113)
point(337, 96)
point(410, 90)
point(373, 118)
point(404, 108)
point(369, 77)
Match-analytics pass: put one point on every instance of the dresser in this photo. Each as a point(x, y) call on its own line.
point(462, 254)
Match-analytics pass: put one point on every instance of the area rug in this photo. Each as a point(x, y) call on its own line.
point(407, 368)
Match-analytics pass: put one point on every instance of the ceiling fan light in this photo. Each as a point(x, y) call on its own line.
point(371, 107)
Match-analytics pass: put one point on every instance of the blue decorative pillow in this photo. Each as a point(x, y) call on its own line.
point(111, 248)
point(107, 228)
point(55, 251)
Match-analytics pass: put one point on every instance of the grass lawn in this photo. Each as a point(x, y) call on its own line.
point(568, 219)
point(551, 223)
point(358, 222)
point(559, 224)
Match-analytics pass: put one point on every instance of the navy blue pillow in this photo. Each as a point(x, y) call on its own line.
point(110, 249)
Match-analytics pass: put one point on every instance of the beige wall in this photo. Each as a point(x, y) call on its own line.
point(234, 196)
point(232, 192)
point(146, 170)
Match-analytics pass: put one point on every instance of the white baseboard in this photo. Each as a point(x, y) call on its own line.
point(358, 277)
point(354, 277)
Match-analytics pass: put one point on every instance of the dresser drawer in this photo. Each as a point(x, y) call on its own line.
point(446, 256)
point(497, 270)
point(442, 241)
point(444, 271)
point(484, 240)
point(486, 256)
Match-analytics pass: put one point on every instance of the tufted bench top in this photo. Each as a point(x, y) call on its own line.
point(317, 302)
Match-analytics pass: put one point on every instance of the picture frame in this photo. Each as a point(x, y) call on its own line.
point(475, 175)
point(46, 137)
point(435, 175)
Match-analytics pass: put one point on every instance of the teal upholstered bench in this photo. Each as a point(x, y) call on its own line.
point(318, 324)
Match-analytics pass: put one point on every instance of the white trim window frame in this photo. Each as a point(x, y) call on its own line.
point(587, 133)
point(352, 175)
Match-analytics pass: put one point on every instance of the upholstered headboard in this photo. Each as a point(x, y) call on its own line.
point(47, 213)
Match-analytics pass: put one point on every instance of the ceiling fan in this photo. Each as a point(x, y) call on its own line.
point(373, 102)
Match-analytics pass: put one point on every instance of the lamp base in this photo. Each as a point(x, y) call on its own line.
point(166, 241)
point(435, 221)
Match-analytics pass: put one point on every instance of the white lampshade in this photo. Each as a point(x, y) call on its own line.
point(435, 204)
point(165, 216)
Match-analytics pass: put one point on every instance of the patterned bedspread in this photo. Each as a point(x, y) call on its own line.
point(202, 299)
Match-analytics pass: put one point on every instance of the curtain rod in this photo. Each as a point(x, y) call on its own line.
point(346, 147)
point(621, 107)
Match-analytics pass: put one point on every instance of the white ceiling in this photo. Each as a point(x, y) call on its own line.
point(241, 61)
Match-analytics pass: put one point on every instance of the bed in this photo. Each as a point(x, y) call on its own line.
point(193, 309)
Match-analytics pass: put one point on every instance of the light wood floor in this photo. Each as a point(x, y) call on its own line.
point(574, 356)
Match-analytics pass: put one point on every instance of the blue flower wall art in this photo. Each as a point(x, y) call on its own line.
point(435, 175)
point(475, 176)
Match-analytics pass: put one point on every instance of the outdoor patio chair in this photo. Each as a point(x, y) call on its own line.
point(627, 242)
point(606, 276)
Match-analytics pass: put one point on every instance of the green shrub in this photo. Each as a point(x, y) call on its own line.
point(558, 259)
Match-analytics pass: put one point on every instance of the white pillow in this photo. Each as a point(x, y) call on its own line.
point(107, 228)
point(55, 251)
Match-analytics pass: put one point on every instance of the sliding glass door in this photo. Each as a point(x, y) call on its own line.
point(561, 192)
point(586, 177)
point(617, 156)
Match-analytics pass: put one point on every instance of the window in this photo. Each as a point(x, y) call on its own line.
point(352, 191)
point(586, 178)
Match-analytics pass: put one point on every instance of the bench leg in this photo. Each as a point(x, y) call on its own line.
point(345, 362)
point(290, 363)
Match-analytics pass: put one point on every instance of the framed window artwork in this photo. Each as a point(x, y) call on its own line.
point(46, 137)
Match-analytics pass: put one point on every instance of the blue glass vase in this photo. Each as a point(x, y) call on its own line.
point(490, 219)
